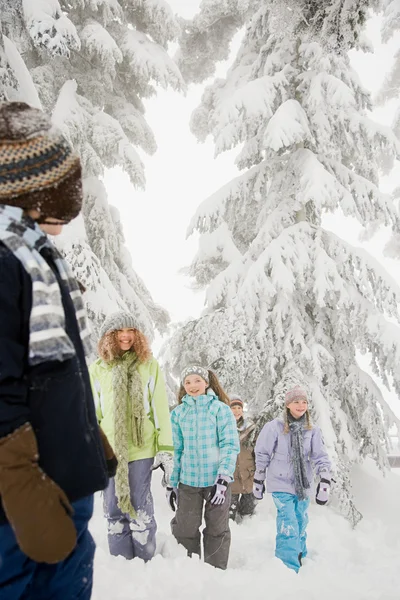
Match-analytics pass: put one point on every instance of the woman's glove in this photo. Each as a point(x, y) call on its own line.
point(218, 491)
point(111, 459)
point(37, 508)
point(172, 497)
point(165, 461)
point(258, 485)
point(323, 491)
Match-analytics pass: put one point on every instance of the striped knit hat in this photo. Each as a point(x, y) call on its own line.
point(235, 400)
point(38, 168)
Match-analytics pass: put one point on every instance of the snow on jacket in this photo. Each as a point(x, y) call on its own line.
point(245, 464)
point(274, 452)
point(157, 424)
point(206, 441)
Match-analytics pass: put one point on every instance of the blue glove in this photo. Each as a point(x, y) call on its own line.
point(323, 491)
point(258, 485)
point(165, 461)
point(218, 491)
point(172, 497)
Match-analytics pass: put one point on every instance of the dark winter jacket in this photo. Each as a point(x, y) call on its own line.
point(55, 397)
point(245, 464)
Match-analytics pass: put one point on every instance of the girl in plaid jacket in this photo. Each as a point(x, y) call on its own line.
point(206, 445)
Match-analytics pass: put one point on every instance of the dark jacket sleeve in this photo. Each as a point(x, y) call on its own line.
point(14, 410)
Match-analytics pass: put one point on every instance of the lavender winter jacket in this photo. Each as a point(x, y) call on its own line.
point(273, 452)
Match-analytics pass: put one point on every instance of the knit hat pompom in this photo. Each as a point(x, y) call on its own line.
point(235, 400)
point(19, 121)
point(195, 370)
point(38, 168)
point(296, 393)
point(118, 320)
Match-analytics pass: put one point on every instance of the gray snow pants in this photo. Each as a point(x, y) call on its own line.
point(126, 536)
point(242, 505)
point(187, 521)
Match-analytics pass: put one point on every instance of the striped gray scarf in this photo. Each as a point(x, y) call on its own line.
point(301, 483)
point(48, 339)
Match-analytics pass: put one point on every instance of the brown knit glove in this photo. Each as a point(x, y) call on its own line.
point(36, 507)
point(111, 459)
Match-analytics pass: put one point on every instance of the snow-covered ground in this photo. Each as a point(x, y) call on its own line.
point(360, 564)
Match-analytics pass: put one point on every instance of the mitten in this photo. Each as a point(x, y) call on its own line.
point(323, 491)
point(165, 461)
point(111, 459)
point(37, 508)
point(218, 491)
point(172, 497)
point(258, 485)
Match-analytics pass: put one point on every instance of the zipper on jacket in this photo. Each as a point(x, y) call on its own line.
point(197, 438)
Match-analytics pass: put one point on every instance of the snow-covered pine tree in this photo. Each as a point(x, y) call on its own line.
point(390, 91)
point(390, 27)
point(287, 301)
point(91, 64)
point(206, 39)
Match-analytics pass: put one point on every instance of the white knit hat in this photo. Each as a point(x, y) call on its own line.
point(119, 320)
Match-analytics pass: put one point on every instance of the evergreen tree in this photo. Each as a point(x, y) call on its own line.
point(287, 301)
point(91, 63)
point(391, 26)
point(391, 91)
point(206, 39)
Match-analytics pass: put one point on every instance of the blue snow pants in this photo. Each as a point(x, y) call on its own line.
point(291, 523)
point(129, 537)
point(71, 579)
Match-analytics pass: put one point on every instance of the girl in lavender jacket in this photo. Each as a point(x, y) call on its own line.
point(289, 448)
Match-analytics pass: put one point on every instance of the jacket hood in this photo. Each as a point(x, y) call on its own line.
point(209, 397)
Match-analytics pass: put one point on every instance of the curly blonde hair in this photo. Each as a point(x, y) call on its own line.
point(214, 384)
point(108, 347)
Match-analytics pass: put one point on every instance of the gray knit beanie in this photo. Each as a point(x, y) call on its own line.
point(119, 320)
point(195, 370)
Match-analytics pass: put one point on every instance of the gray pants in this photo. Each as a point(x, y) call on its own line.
point(126, 536)
point(241, 506)
point(187, 521)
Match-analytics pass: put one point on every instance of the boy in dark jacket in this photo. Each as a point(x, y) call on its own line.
point(51, 455)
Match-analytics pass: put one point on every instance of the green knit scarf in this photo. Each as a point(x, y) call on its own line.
point(129, 418)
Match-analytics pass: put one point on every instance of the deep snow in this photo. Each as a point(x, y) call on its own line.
point(360, 564)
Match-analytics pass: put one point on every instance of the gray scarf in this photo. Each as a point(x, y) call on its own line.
point(48, 339)
point(301, 483)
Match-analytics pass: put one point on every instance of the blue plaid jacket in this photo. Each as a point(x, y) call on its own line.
point(206, 442)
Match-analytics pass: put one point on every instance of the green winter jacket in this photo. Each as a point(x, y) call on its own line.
point(157, 426)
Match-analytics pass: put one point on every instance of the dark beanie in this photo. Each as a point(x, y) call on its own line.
point(38, 168)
